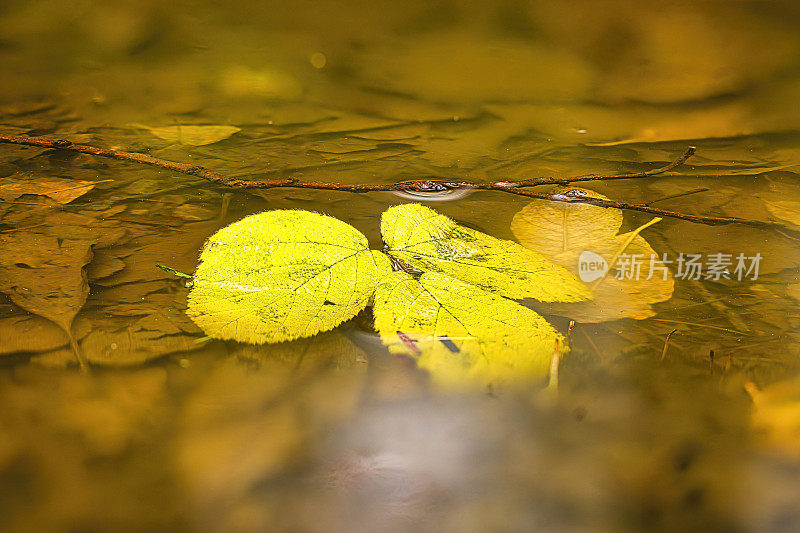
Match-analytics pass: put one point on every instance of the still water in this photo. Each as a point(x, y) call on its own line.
point(170, 431)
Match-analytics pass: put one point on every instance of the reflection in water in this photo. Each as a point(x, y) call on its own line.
point(333, 433)
point(449, 195)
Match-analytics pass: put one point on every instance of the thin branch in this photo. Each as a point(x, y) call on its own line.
point(698, 219)
point(424, 186)
point(599, 177)
point(679, 195)
point(429, 185)
point(60, 144)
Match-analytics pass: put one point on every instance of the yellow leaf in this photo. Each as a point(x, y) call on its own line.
point(462, 335)
point(424, 239)
point(563, 231)
point(281, 275)
point(191, 135)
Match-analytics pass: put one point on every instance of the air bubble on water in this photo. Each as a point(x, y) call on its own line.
point(318, 60)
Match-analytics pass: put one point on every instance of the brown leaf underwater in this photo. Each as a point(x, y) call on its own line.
point(61, 190)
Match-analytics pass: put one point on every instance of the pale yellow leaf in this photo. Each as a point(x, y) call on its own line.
point(622, 298)
point(563, 231)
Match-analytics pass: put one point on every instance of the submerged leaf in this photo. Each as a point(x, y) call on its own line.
point(45, 275)
point(191, 135)
point(793, 290)
point(461, 334)
point(782, 202)
point(563, 231)
point(30, 333)
point(131, 325)
point(433, 242)
point(61, 190)
point(280, 275)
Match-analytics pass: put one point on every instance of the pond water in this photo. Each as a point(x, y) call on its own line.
point(173, 431)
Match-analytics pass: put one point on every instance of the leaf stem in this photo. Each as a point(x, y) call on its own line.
point(666, 343)
point(632, 235)
point(173, 271)
point(76, 349)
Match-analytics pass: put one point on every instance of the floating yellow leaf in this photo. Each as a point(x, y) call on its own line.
point(281, 275)
point(429, 241)
point(190, 134)
point(461, 334)
point(565, 231)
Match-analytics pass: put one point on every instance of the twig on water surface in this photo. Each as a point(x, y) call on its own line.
point(61, 144)
point(679, 195)
point(689, 152)
point(431, 185)
point(699, 219)
point(701, 326)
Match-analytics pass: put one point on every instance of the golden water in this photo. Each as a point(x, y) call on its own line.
point(332, 433)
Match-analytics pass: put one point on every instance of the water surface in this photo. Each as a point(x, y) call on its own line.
point(333, 433)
